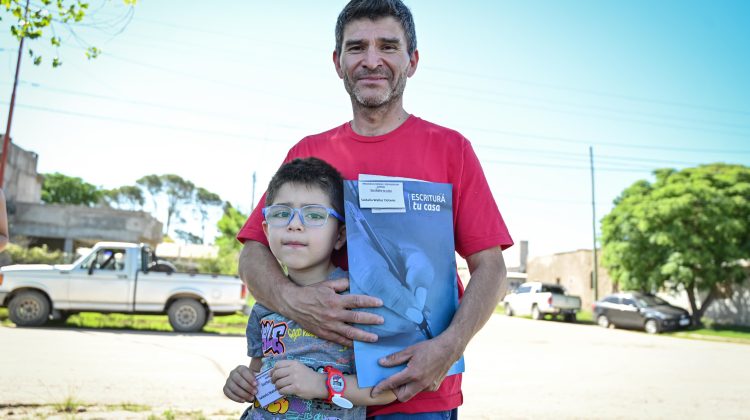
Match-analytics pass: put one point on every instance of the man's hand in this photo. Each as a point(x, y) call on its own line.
point(427, 363)
point(325, 313)
point(293, 378)
point(241, 385)
point(318, 308)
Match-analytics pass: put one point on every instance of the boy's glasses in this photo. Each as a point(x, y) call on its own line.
point(313, 215)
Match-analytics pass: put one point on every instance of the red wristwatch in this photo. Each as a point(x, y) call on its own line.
point(336, 384)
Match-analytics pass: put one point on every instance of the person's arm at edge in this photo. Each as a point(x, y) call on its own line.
point(318, 308)
point(429, 361)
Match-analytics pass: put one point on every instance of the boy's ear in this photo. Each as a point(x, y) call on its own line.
point(265, 228)
point(341, 239)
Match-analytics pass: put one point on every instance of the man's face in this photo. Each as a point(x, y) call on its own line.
point(374, 61)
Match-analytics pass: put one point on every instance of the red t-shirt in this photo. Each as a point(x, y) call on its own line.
point(421, 150)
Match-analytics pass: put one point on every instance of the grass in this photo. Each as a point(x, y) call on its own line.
point(69, 405)
point(224, 325)
point(71, 408)
point(733, 333)
point(136, 408)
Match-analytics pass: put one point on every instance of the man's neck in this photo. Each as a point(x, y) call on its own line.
point(311, 275)
point(372, 122)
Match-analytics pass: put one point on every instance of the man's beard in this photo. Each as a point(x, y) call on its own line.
point(375, 100)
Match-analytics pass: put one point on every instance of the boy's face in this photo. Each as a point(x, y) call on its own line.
point(300, 247)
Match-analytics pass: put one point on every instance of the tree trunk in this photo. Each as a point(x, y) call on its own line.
point(697, 313)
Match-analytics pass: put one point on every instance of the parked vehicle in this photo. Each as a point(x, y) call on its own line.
point(540, 299)
point(121, 278)
point(639, 311)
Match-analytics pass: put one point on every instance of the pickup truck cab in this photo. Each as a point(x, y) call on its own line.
point(117, 277)
point(540, 299)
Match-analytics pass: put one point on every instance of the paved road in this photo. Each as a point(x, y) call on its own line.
point(516, 368)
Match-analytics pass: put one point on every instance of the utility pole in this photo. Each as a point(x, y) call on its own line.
point(6, 135)
point(594, 272)
point(252, 202)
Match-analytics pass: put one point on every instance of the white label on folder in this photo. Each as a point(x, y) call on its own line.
point(267, 392)
point(381, 195)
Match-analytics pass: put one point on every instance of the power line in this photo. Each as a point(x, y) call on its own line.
point(600, 143)
point(592, 92)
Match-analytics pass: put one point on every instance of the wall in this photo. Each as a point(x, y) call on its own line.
point(572, 270)
point(81, 223)
point(22, 182)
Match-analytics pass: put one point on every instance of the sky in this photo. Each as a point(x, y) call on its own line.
point(216, 91)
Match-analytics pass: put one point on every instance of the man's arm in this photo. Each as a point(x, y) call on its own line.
point(428, 362)
point(318, 308)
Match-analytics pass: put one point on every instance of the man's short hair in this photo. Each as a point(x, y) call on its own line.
point(310, 172)
point(374, 10)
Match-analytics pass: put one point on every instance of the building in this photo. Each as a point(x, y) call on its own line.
point(573, 271)
point(65, 227)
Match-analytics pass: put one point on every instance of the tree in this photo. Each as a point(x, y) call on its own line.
point(178, 191)
point(229, 247)
point(36, 20)
point(204, 201)
point(129, 196)
point(688, 230)
point(152, 184)
point(62, 189)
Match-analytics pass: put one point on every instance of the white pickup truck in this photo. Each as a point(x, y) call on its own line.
point(117, 277)
point(540, 299)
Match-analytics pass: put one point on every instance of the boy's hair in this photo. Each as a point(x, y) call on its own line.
point(373, 10)
point(310, 172)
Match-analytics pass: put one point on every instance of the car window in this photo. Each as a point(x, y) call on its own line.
point(110, 259)
point(612, 299)
point(628, 302)
point(523, 289)
point(647, 301)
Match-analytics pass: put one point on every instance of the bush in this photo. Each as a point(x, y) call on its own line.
point(35, 255)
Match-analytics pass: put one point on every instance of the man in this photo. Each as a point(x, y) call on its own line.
point(375, 54)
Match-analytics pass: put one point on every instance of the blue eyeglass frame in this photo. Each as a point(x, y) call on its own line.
point(298, 211)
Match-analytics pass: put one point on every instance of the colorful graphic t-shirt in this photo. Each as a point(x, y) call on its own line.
point(275, 337)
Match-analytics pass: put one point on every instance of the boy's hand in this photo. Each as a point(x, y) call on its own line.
point(241, 385)
point(293, 378)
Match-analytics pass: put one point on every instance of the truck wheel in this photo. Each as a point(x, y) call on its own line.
point(536, 313)
point(29, 309)
point(187, 315)
point(603, 321)
point(651, 326)
point(508, 310)
point(570, 317)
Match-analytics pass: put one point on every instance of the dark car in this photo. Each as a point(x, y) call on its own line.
point(639, 311)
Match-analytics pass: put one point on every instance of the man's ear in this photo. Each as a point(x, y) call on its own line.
point(413, 61)
point(341, 239)
point(337, 64)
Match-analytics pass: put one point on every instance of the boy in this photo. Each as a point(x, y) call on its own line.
point(304, 225)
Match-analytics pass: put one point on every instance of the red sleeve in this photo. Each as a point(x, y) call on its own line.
point(479, 224)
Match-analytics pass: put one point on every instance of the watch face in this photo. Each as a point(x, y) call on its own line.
point(337, 383)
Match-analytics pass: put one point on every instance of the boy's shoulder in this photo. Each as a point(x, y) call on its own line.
point(259, 311)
